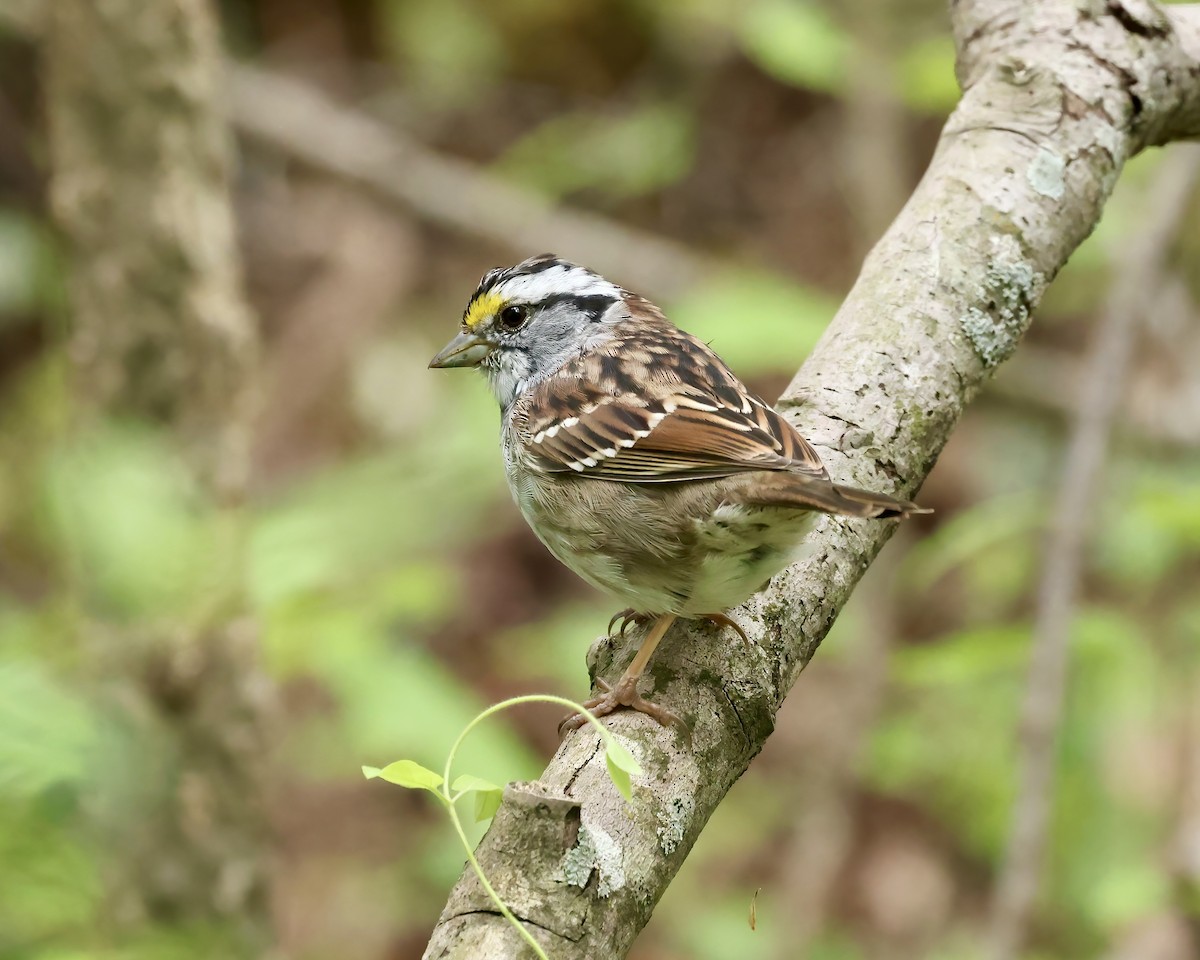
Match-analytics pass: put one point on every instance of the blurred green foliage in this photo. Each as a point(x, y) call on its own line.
point(646, 149)
point(22, 259)
point(786, 318)
point(798, 43)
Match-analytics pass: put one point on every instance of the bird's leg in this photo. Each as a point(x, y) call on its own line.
point(628, 616)
point(624, 693)
point(723, 621)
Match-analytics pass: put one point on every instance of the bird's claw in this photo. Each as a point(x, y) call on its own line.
point(720, 620)
point(627, 616)
point(624, 694)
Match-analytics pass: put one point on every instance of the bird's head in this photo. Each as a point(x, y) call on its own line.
point(524, 322)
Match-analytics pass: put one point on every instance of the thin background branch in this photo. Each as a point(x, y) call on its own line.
point(1139, 277)
point(304, 123)
point(294, 119)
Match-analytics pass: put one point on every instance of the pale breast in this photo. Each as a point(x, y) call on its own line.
point(658, 548)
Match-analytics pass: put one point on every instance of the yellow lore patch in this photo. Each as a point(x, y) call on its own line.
point(482, 307)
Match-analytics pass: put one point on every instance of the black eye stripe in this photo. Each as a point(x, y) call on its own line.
point(593, 305)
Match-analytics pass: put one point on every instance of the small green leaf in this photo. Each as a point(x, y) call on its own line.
point(409, 773)
point(618, 754)
point(487, 794)
point(487, 802)
point(468, 782)
point(371, 772)
point(621, 764)
point(619, 778)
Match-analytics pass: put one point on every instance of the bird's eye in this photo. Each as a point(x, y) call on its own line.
point(513, 318)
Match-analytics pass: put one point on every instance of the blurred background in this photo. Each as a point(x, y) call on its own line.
point(189, 681)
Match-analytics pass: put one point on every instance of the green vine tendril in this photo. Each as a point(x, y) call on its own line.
point(410, 774)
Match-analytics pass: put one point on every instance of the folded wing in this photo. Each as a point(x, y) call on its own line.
point(669, 430)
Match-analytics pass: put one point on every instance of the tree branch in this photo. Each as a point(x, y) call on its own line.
point(1055, 100)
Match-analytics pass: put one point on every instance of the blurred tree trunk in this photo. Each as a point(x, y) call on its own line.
point(160, 335)
point(140, 190)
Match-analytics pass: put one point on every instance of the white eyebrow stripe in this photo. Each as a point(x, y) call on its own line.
point(557, 280)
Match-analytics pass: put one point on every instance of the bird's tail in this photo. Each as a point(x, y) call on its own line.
point(864, 503)
point(785, 489)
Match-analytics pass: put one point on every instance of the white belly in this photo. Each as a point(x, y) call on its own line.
point(738, 550)
point(667, 549)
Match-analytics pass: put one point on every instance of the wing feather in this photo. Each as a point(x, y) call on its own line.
point(656, 409)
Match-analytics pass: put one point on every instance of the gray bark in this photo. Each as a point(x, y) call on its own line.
point(160, 333)
point(1057, 96)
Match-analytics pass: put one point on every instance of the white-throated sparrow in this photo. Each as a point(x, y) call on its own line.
point(636, 456)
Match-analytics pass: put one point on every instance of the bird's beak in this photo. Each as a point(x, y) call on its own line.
point(465, 350)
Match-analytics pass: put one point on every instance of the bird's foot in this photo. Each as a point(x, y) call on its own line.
point(624, 694)
point(723, 621)
point(626, 617)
